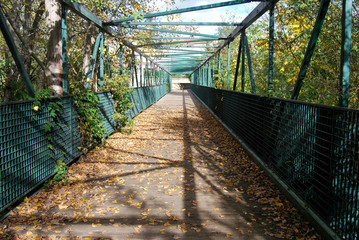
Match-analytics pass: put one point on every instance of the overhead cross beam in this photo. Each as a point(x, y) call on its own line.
point(86, 14)
point(183, 10)
point(177, 42)
point(129, 24)
point(175, 32)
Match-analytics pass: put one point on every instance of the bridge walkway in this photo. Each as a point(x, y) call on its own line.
point(178, 175)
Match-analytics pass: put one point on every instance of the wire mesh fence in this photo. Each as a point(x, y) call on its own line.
point(25, 158)
point(312, 148)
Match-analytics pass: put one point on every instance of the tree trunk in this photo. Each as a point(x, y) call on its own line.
point(90, 40)
point(53, 70)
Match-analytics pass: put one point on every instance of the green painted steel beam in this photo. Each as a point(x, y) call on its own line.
point(165, 38)
point(182, 47)
point(177, 42)
point(243, 61)
point(228, 64)
point(64, 50)
point(170, 51)
point(188, 51)
point(345, 52)
point(108, 62)
point(16, 55)
point(180, 54)
point(183, 10)
point(175, 32)
point(182, 57)
point(324, 5)
point(237, 65)
point(261, 9)
point(179, 61)
point(93, 59)
point(102, 65)
point(86, 14)
point(271, 51)
point(121, 59)
point(178, 24)
point(251, 76)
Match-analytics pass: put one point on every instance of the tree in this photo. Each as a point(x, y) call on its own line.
point(53, 70)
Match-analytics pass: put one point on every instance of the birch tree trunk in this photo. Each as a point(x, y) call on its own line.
point(90, 40)
point(53, 70)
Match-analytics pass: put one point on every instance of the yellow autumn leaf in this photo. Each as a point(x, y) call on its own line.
point(62, 206)
point(114, 201)
point(152, 221)
point(228, 235)
point(167, 224)
point(29, 233)
point(174, 218)
point(278, 204)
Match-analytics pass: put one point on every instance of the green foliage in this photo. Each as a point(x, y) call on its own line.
point(60, 172)
point(121, 93)
point(3, 66)
point(40, 98)
point(128, 127)
point(54, 106)
point(91, 126)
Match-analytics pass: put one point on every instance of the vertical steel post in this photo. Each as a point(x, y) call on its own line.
point(141, 70)
point(147, 74)
point(121, 59)
point(213, 68)
point(159, 76)
point(271, 51)
point(324, 5)
point(243, 61)
point(134, 67)
point(154, 74)
point(131, 72)
point(108, 62)
point(237, 66)
point(102, 66)
point(16, 55)
point(229, 65)
point(209, 74)
point(151, 73)
point(64, 50)
point(345, 53)
point(220, 67)
point(93, 59)
point(253, 84)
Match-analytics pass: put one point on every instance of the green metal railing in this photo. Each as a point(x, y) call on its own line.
point(312, 149)
point(25, 161)
point(24, 153)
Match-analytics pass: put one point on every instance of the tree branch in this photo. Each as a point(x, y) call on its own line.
point(28, 49)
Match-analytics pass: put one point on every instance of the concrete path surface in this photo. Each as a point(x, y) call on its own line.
point(179, 175)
